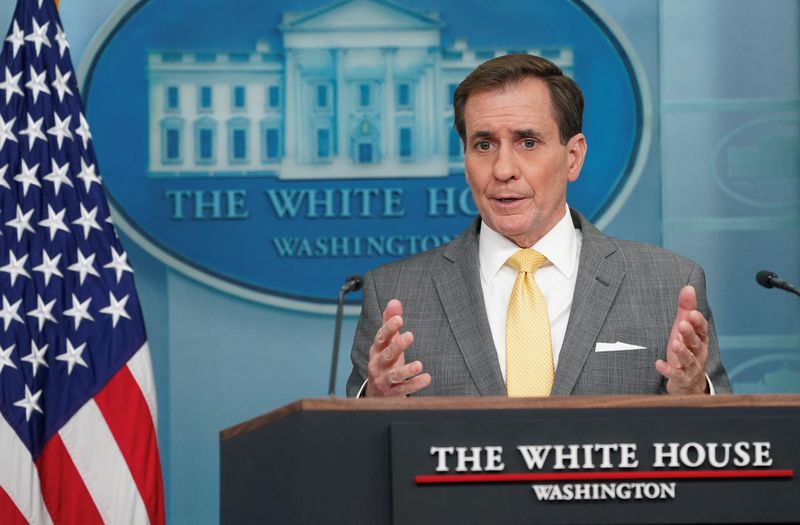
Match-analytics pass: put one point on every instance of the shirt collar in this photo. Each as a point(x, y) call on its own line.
point(559, 245)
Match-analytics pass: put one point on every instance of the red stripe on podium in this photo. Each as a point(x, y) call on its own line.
point(602, 476)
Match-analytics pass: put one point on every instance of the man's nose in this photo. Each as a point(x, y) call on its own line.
point(506, 165)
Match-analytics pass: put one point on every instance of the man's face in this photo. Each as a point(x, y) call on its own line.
point(515, 163)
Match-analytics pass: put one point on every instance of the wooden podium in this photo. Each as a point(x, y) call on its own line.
point(649, 459)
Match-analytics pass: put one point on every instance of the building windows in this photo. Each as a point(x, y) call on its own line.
point(204, 98)
point(364, 95)
point(205, 142)
point(273, 97)
point(323, 143)
point(405, 142)
point(321, 99)
point(365, 141)
point(205, 58)
point(171, 57)
point(205, 131)
point(272, 144)
point(403, 95)
point(454, 150)
point(271, 140)
point(173, 101)
point(451, 92)
point(173, 145)
point(239, 57)
point(171, 141)
point(365, 155)
point(237, 140)
point(238, 97)
point(552, 54)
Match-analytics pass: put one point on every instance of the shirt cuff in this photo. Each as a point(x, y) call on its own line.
point(364, 387)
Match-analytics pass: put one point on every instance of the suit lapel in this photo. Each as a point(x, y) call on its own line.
point(461, 295)
point(599, 276)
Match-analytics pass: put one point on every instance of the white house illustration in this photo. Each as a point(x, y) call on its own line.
point(360, 89)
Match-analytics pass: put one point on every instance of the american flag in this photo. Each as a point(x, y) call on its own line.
point(77, 432)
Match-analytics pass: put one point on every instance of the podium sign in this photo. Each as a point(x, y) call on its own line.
point(590, 460)
point(707, 466)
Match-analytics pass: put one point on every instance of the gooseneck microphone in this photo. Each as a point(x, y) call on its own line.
point(351, 284)
point(769, 279)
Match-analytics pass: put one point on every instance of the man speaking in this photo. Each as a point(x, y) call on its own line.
point(532, 300)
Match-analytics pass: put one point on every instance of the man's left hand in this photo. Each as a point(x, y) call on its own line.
point(687, 348)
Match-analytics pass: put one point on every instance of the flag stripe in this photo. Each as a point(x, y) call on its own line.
point(19, 478)
point(142, 371)
point(63, 490)
point(126, 412)
point(9, 512)
point(102, 467)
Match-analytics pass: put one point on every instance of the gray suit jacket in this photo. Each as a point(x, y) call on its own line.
point(625, 292)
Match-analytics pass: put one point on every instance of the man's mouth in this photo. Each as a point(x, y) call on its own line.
point(507, 199)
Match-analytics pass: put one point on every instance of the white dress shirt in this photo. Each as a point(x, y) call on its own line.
point(555, 278)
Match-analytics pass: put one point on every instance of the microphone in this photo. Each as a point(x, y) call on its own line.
point(351, 284)
point(769, 279)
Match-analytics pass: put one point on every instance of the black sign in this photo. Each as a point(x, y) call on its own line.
point(738, 467)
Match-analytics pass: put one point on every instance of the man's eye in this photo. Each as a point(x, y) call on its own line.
point(483, 145)
point(528, 143)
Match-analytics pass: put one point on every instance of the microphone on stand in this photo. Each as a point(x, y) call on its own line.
point(769, 279)
point(351, 284)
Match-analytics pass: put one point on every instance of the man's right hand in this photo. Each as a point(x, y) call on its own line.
point(389, 375)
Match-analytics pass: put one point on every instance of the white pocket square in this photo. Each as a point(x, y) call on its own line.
point(616, 347)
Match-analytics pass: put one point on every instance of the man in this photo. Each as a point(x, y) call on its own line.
point(593, 315)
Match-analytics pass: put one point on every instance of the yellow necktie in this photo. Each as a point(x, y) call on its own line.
point(529, 349)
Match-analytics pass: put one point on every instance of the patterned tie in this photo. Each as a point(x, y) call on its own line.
point(529, 349)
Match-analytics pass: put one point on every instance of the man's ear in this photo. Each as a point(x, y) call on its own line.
point(576, 151)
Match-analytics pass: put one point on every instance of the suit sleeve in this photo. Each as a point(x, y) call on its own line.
point(368, 324)
point(714, 368)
